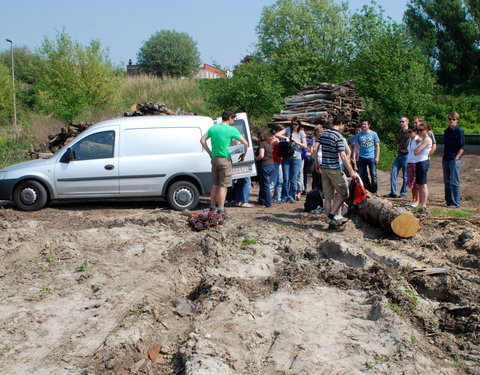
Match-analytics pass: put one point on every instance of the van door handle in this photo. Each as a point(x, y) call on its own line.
point(109, 167)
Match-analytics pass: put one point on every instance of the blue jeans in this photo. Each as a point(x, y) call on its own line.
point(291, 168)
point(400, 163)
point(265, 195)
point(451, 179)
point(370, 184)
point(240, 190)
point(277, 182)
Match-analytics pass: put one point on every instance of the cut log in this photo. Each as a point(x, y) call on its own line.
point(382, 213)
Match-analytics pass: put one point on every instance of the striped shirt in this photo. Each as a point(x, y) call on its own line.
point(331, 143)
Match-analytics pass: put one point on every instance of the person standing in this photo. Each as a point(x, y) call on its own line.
point(367, 155)
point(267, 169)
point(400, 162)
point(221, 136)
point(291, 166)
point(454, 139)
point(422, 165)
point(333, 179)
point(277, 178)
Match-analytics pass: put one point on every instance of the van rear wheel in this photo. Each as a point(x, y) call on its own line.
point(183, 195)
point(30, 195)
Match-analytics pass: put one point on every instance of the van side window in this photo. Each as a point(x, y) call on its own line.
point(235, 146)
point(96, 146)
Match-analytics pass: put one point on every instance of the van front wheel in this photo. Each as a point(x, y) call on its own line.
point(30, 196)
point(183, 195)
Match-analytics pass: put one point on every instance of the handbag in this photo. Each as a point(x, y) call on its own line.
point(286, 149)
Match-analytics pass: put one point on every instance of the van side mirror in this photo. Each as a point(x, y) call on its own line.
point(68, 156)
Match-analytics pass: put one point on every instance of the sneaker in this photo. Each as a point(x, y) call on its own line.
point(223, 214)
point(420, 210)
point(340, 219)
point(410, 205)
point(390, 195)
point(245, 205)
point(318, 210)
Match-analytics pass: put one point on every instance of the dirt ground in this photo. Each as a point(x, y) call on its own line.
point(129, 288)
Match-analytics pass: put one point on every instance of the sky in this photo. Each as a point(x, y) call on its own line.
point(223, 29)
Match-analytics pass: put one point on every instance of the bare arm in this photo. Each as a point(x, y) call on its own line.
point(245, 148)
point(377, 152)
point(261, 154)
point(355, 151)
point(432, 151)
point(426, 142)
point(203, 141)
point(346, 163)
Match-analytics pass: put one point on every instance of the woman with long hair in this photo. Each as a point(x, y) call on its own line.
point(291, 166)
point(267, 169)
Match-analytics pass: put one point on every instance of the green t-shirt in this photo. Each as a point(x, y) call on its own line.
point(221, 136)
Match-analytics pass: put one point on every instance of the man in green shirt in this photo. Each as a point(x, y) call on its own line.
point(221, 136)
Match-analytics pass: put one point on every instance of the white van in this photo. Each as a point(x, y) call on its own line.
point(152, 156)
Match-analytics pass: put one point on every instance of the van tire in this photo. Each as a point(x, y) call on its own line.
point(30, 195)
point(183, 195)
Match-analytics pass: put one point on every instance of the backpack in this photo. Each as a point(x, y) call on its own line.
point(204, 219)
point(313, 200)
point(285, 149)
point(357, 194)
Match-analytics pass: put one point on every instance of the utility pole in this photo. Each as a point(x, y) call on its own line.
point(15, 129)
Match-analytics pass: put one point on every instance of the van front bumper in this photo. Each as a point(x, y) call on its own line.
point(6, 189)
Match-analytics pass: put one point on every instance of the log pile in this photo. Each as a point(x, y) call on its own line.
point(318, 103)
point(154, 109)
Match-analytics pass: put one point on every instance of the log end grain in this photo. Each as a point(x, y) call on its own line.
point(405, 225)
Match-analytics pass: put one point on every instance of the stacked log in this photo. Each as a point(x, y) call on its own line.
point(318, 103)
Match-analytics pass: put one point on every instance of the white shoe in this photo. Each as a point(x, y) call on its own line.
point(245, 204)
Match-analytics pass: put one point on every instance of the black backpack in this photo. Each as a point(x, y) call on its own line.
point(313, 200)
point(285, 149)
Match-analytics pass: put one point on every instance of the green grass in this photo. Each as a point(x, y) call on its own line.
point(250, 241)
point(451, 212)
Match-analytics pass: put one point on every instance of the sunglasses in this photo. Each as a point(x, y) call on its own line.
point(410, 131)
point(421, 129)
point(452, 119)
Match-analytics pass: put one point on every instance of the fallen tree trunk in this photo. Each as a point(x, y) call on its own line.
point(382, 213)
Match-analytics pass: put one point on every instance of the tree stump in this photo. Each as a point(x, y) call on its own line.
point(382, 213)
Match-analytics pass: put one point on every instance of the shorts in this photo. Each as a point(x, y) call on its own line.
point(421, 170)
point(222, 171)
point(411, 180)
point(334, 180)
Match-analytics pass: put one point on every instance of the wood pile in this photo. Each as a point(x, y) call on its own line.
point(318, 103)
point(154, 109)
point(57, 141)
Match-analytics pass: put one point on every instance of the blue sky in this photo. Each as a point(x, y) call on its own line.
point(223, 29)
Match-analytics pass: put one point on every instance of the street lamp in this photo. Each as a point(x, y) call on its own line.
point(13, 81)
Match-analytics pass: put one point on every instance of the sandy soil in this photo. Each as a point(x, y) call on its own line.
point(128, 288)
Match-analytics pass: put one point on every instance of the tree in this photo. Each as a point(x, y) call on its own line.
point(72, 77)
point(449, 33)
point(254, 88)
point(6, 94)
point(169, 53)
point(305, 40)
point(392, 75)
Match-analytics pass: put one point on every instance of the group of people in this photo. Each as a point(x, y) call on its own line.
point(334, 157)
point(415, 145)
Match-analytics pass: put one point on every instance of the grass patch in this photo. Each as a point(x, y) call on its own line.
point(451, 213)
point(250, 241)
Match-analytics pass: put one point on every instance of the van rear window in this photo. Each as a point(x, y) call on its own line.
point(159, 141)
